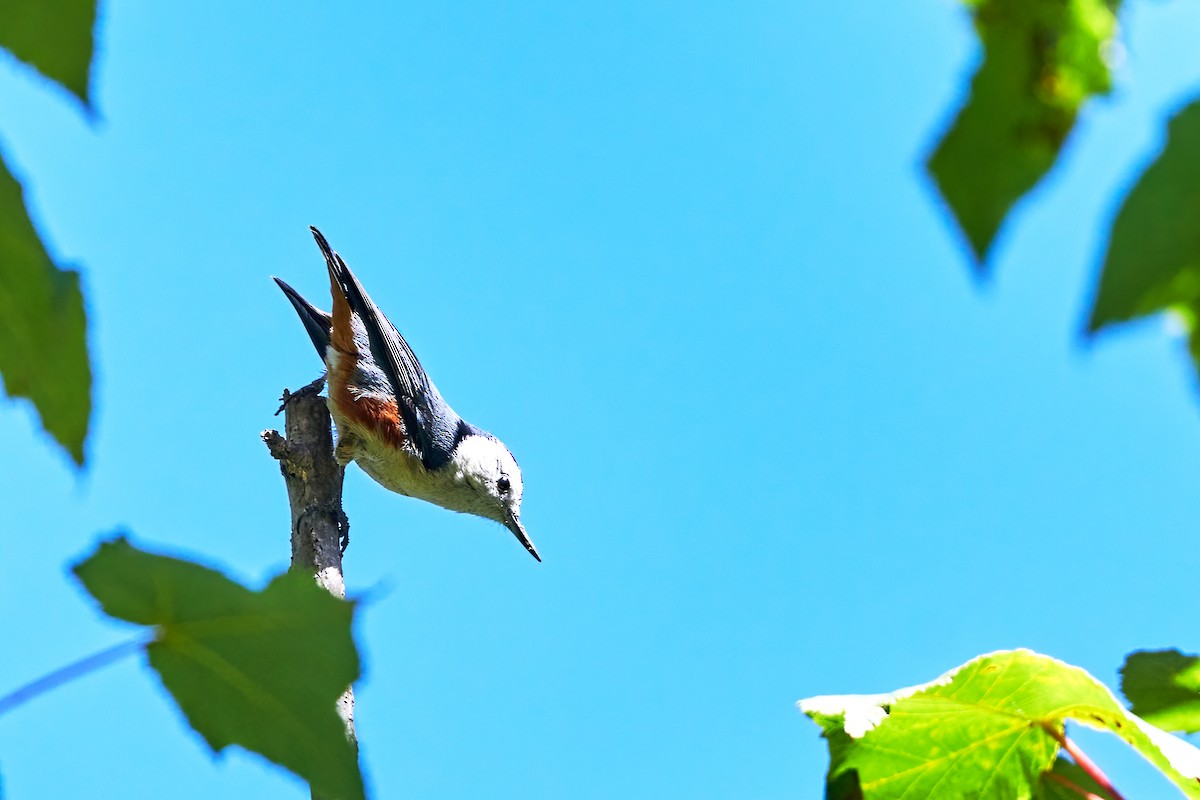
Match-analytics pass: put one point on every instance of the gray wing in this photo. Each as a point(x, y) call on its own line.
point(432, 425)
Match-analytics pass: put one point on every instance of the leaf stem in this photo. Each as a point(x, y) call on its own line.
point(70, 672)
point(1083, 762)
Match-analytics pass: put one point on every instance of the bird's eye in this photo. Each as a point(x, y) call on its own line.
point(504, 486)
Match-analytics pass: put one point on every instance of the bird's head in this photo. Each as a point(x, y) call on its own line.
point(489, 470)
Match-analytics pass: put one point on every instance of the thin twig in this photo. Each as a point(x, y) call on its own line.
point(1083, 761)
point(71, 672)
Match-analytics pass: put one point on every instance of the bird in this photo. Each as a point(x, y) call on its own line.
point(390, 418)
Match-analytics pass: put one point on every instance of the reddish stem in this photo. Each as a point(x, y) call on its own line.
point(1073, 786)
point(1083, 762)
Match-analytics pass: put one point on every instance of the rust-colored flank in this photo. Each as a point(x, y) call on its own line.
point(372, 413)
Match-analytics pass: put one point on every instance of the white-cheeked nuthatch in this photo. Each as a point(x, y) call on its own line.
point(390, 418)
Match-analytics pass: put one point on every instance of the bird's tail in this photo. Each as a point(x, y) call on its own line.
point(316, 321)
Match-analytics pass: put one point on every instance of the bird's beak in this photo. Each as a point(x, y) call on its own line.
point(514, 524)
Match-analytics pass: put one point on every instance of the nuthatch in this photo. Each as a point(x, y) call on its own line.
point(390, 417)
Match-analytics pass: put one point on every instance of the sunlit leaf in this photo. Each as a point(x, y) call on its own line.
point(43, 327)
point(1042, 60)
point(54, 37)
point(1163, 687)
point(262, 669)
point(986, 729)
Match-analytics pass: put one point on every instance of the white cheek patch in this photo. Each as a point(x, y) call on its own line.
point(475, 459)
point(483, 461)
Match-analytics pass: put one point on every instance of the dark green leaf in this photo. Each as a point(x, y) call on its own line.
point(1058, 782)
point(262, 670)
point(1163, 687)
point(985, 730)
point(1042, 59)
point(1153, 258)
point(43, 326)
point(54, 37)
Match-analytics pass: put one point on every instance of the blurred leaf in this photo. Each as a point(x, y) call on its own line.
point(1153, 258)
point(43, 326)
point(1042, 59)
point(1052, 786)
point(54, 37)
point(981, 730)
point(259, 669)
point(1163, 687)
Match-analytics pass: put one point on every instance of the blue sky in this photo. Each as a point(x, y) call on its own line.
point(682, 258)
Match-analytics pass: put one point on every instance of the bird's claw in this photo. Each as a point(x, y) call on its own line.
point(309, 390)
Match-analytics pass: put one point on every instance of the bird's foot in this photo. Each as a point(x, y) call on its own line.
point(310, 390)
point(347, 448)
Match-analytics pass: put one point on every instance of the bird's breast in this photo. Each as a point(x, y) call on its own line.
point(399, 468)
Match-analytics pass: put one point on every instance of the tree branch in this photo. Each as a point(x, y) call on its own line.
point(320, 529)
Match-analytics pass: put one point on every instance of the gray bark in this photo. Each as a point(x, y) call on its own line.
point(314, 486)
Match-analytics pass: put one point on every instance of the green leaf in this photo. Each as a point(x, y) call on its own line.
point(1153, 258)
point(54, 37)
point(1163, 687)
point(43, 326)
point(1056, 784)
point(263, 670)
point(986, 729)
point(1042, 59)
